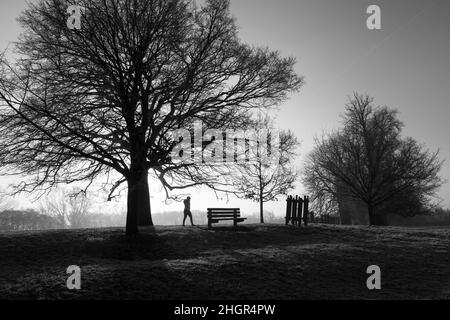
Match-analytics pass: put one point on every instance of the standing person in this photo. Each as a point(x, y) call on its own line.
point(187, 210)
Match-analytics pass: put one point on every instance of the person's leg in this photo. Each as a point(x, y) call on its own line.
point(184, 220)
point(190, 217)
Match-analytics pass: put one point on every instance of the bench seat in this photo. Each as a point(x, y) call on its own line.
point(216, 215)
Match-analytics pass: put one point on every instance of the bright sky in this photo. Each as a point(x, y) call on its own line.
point(405, 66)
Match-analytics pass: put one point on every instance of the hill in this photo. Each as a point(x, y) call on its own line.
point(250, 262)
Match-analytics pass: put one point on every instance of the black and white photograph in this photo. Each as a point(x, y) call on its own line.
point(222, 157)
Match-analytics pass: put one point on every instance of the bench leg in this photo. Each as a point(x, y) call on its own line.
point(209, 223)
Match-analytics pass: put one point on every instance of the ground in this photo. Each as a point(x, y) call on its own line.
point(250, 262)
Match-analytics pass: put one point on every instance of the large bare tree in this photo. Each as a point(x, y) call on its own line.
point(369, 161)
point(101, 101)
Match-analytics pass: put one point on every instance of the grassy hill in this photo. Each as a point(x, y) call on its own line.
point(251, 262)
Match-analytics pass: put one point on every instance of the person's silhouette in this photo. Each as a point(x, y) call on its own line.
point(187, 210)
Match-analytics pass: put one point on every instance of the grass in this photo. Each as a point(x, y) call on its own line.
point(250, 262)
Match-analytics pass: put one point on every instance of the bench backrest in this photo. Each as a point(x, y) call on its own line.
point(224, 212)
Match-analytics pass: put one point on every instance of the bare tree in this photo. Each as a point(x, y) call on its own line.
point(55, 205)
point(101, 101)
point(5, 202)
point(368, 160)
point(79, 207)
point(266, 177)
point(69, 207)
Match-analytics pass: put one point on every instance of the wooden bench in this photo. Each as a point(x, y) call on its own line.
point(218, 214)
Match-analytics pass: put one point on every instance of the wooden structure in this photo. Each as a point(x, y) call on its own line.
point(218, 214)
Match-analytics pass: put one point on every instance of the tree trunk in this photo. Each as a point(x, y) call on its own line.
point(376, 219)
point(345, 216)
point(344, 204)
point(138, 203)
point(371, 215)
point(261, 200)
point(380, 220)
point(261, 210)
point(144, 210)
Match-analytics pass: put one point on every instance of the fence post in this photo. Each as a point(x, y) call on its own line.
point(288, 209)
point(306, 210)
point(294, 210)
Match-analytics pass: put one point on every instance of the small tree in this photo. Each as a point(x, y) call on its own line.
point(368, 161)
point(267, 176)
point(69, 207)
point(55, 205)
point(79, 206)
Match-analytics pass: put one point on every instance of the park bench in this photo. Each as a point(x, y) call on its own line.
point(218, 214)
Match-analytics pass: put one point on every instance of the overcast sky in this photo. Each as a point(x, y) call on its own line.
point(405, 65)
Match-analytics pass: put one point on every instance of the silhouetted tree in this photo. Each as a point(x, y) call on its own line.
point(101, 101)
point(369, 161)
point(267, 176)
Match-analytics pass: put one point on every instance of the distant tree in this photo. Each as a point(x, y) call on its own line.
point(267, 177)
point(69, 207)
point(55, 206)
point(269, 217)
point(20, 220)
point(101, 101)
point(368, 160)
point(5, 203)
point(79, 210)
point(323, 203)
